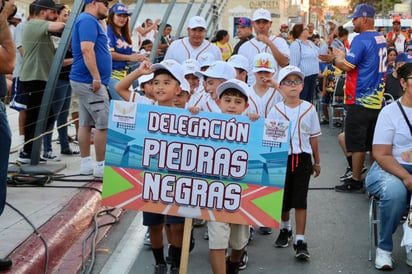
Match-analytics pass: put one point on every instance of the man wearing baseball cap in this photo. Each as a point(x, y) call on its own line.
point(244, 32)
point(264, 42)
point(194, 45)
point(397, 38)
point(363, 95)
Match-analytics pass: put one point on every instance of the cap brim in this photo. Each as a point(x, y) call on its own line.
point(263, 69)
point(161, 66)
point(226, 85)
point(300, 74)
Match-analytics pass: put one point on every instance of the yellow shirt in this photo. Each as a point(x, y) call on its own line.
point(225, 49)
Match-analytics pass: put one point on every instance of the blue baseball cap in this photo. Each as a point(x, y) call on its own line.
point(244, 22)
point(403, 57)
point(363, 10)
point(119, 8)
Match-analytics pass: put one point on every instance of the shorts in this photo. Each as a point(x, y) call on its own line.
point(150, 219)
point(295, 193)
point(359, 128)
point(93, 106)
point(74, 104)
point(18, 96)
point(224, 235)
point(327, 98)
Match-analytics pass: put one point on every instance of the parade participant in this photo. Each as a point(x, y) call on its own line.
point(390, 176)
point(366, 68)
point(38, 49)
point(244, 32)
point(233, 99)
point(305, 130)
point(194, 45)
point(89, 78)
point(264, 42)
point(7, 60)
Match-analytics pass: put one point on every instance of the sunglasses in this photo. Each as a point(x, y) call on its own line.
point(104, 2)
point(289, 83)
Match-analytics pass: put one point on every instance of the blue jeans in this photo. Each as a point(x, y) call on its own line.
point(5, 137)
point(113, 94)
point(309, 88)
point(60, 112)
point(393, 198)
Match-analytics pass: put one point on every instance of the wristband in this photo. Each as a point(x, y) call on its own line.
point(97, 80)
point(317, 165)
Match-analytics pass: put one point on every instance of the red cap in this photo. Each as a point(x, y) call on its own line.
point(284, 26)
point(396, 20)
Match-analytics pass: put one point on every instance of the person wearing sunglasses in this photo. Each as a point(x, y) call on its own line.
point(89, 78)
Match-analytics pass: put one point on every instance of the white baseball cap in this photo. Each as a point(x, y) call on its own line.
point(196, 22)
point(18, 16)
point(264, 62)
point(173, 67)
point(218, 69)
point(184, 85)
point(206, 59)
point(288, 70)
point(190, 66)
point(145, 78)
point(235, 84)
point(239, 61)
point(262, 14)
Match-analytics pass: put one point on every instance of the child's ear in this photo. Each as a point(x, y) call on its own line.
point(179, 90)
point(246, 105)
point(218, 101)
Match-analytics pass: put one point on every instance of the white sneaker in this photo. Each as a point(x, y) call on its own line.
point(98, 171)
point(383, 260)
point(409, 257)
point(86, 166)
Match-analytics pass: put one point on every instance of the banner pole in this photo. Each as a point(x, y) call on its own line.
point(184, 260)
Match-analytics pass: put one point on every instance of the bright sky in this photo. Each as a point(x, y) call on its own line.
point(337, 2)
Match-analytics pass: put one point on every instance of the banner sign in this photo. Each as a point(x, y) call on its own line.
point(209, 166)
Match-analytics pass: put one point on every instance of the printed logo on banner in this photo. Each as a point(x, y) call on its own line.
point(210, 166)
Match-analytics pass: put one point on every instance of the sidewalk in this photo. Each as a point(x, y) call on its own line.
point(61, 211)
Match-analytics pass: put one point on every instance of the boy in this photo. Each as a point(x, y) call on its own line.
point(146, 86)
point(305, 130)
point(217, 73)
point(233, 99)
point(241, 65)
point(263, 95)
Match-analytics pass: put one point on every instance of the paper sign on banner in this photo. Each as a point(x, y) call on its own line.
point(209, 166)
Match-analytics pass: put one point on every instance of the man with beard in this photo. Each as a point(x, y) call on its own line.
point(38, 54)
point(244, 32)
point(89, 78)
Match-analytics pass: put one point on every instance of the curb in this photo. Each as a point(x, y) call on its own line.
point(61, 232)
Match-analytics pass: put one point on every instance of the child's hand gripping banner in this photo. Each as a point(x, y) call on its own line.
point(210, 166)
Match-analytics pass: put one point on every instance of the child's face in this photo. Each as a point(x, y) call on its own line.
point(262, 76)
point(148, 47)
point(148, 90)
point(291, 86)
point(181, 99)
point(241, 74)
point(165, 88)
point(211, 85)
point(232, 104)
point(193, 81)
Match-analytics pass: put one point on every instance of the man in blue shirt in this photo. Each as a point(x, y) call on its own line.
point(89, 78)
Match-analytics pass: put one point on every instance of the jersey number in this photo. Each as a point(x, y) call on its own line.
point(382, 60)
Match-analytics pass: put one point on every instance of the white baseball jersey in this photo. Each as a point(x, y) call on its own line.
point(181, 50)
point(263, 105)
point(252, 47)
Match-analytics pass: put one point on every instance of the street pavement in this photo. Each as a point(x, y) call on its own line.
point(337, 228)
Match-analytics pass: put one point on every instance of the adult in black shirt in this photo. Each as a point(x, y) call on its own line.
point(244, 32)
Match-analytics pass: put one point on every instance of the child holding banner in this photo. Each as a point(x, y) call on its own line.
point(233, 99)
point(305, 130)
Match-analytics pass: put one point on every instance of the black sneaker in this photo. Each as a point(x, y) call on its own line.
point(25, 158)
point(69, 151)
point(160, 269)
point(284, 237)
point(346, 175)
point(265, 230)
point(301, 250)
point(243, 260)
point(251, 234)
point(351, 186)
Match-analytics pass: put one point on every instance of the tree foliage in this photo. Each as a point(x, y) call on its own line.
point(388, 5)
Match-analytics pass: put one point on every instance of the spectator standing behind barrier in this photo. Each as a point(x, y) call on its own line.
point(390, 177)
point(397, 38)
point(244, 32)
point(61, 99)
point(221, 41)
point(194, 45)
point(365, 66)
point(165, 42)
point(304, 55)
point(7, 60)
point(120, 43)
point(89, 77)
point(38, 54)
point(392, 83)
point(264, 42)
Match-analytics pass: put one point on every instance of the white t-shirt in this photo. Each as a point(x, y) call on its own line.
point(181, 50)
point(304, 124)
point(252, 47)
point(263, 105)
point(392, 129)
